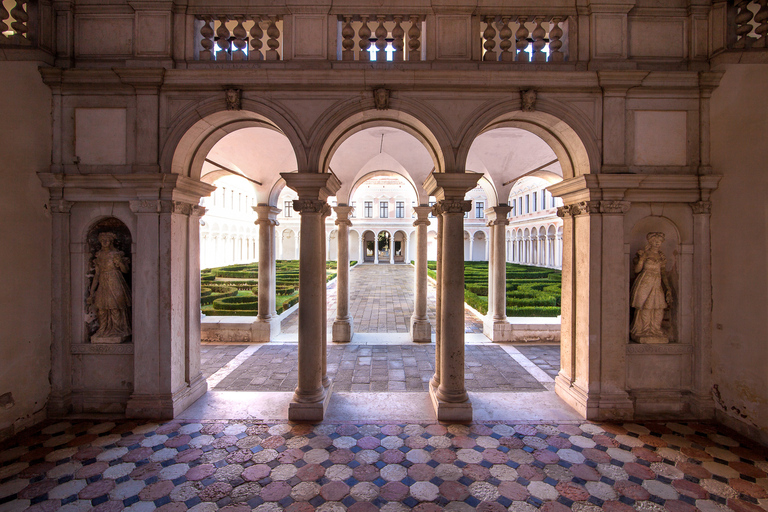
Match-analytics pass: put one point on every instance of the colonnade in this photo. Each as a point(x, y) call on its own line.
point(541, 250)
point(219, 249)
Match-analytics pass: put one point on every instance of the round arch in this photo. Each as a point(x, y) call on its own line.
point(374, 174)
point(573, 142)
point(191, 138)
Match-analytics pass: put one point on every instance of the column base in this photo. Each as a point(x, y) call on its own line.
point(614, 406)
point(265, 330)
point(497, 330)
point(166, 406)
point(449, 411)
point(312, 411)
point(421, 331)
point(59, 405)
point(342, 331)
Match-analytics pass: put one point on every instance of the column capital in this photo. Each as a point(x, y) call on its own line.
point(311, 206)
point(267, 214)
point(701, 207)
point(342, 214)
point(312, 186)
point(583, 207)
point(452, 206)
point(422, 215)
point(497, 215)
point(452, 186)
point(60, 205)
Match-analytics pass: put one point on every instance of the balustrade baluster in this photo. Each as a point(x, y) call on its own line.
point(273, 33)
point(538, 35)
point(4, 15)
point(381, 40)
point(256, 44)
point(19, 25)
point(743, 27)
point(555, 43)
point(521, 37)
point(222, 39)
point(762, 30)
point(414, 38)
point(398, 44)
point(489, 35)
point(206, 31)
point(505, 34)
point(365, 40)
point(239, 41)
point(347, 42)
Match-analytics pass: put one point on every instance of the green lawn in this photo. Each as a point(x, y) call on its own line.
point(531, 291)
point(233, 290)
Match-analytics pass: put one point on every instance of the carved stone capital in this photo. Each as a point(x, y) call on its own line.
point(198, 211)
point(421, 222)
point(701, 207)
point(309, 206)
point(453, 206)
point(343, 222)
point(583, 207)
point(60, 205)
point(615, 207)
point(176, 207)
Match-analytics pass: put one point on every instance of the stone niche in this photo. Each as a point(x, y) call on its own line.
point(658, 373)
point(102, 374)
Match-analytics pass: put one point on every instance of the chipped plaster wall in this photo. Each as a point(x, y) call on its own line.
point(740, 249)
point(25, 246)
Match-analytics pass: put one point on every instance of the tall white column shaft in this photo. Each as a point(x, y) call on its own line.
point(342, 326)
point(421, 330)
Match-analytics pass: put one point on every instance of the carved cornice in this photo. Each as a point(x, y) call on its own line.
point(701, 207)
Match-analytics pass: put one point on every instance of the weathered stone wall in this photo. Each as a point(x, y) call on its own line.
point(25, 246)
point(740, 249)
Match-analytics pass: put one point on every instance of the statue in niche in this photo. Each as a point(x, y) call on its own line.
point(651, 293)
point(110, 295)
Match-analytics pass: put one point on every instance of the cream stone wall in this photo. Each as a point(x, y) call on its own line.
point(25, 247)
point(740, 249)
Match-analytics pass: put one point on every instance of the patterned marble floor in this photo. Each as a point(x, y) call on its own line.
point(236, 466)
point(381, 300)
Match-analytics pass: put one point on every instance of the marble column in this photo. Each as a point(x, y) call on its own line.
point(495, 324)
point(471, 256)
point(267, 325)
point(323, 270)
point(376, 248)
point(702, 317)
point(342, 326)
point(421, 329)
point(450, 399)
point(391, 249)
point(435, 381)
point(311, 397)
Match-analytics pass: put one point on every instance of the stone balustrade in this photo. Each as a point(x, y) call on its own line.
point(751, 24)
point(524, 38)
point(238, 37)
point(14, 25)
point(381, 37)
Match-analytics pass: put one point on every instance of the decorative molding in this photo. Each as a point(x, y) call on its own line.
point(60, 205)
point(309, 206)
point(90, 348)
point(616, 207)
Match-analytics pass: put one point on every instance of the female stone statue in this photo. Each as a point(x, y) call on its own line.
point(651, 293)
point(110, 295)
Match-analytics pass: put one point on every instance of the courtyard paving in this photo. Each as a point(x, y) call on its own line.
point(381, 301)
point(238, 466)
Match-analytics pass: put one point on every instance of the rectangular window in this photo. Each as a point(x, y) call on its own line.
point(520, 206)
point(354, 213)
point(287, 208)
point(543, 199)
point(368, 209)
point(512, 211)
point(384, 209)
point(553, 201)
point(535, 204)
point(527, 203)
point(400, 210)
point(479, 206)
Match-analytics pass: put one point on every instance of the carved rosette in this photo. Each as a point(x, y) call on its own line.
point(701, 207)
point(453, 206)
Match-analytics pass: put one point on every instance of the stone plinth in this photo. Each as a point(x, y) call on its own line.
point(310, 411)
point(454, 412)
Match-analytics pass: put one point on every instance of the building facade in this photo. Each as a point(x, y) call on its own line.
point(652, 115)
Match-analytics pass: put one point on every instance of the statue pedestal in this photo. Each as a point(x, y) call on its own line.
point(108, 340)
point(653, 340)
